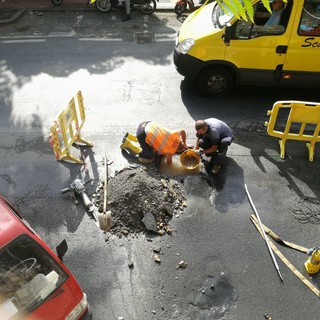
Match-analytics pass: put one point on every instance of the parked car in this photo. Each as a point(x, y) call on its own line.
point(219, 50)
point(34, 281)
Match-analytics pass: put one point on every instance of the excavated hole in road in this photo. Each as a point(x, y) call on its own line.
point(136, 192)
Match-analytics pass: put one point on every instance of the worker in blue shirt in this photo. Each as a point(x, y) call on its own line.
point(213, 137)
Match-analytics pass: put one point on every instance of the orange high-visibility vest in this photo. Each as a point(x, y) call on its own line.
point(161, 140)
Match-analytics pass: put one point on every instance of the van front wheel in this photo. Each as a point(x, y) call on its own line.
point(215, 82)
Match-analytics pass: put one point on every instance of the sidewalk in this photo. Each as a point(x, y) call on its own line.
point(12, 9)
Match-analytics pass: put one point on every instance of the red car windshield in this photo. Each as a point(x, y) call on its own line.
point(28, 276)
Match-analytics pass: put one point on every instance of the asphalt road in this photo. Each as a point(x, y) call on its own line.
point(126, 78)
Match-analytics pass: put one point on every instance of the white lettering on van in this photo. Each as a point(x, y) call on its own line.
point(309, 42)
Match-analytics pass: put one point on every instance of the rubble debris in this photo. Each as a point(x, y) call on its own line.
point(140, 200)
point(182, 264)
point(150, 222)
point(107, 237)
point(156, 258)
point(168, 230)
point(156, 249)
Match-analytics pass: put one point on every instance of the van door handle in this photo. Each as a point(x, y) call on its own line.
point(281, 49)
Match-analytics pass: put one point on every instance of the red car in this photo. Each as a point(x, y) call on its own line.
point(34, 282)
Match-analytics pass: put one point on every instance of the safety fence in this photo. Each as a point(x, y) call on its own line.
point(303, 124)
point(65, 131)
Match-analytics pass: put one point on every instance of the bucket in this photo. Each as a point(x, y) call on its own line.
point(190, 159)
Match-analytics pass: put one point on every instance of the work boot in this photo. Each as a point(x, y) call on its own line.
point(126, 17)
point(146, 160)
point(131, 137)
point(215, 169)
point(131, 145)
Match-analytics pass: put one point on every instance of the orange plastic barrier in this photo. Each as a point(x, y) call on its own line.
point(65, 131)
point(303, 123)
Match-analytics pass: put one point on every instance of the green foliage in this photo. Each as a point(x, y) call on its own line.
point(233, 6)
point(266, 4)
point(242, 9)
point(249, 9)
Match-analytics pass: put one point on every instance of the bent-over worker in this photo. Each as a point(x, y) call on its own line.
point(213, 137)
point(153, 138)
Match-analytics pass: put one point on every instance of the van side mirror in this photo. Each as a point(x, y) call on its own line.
point(61, 249)
point(227, 34)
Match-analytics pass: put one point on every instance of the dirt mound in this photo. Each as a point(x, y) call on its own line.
point(140, 200)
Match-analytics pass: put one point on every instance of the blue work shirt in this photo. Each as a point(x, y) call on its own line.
point(274, 19)
point(217, 130)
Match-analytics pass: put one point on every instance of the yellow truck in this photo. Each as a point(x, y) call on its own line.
point(220, 51)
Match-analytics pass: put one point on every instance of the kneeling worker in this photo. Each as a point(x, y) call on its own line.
point(214, 137)
point(154, 139)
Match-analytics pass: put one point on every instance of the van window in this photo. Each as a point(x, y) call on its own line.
point(219, 17)
point(28, 276)
point(248, 30)
point(310, 19)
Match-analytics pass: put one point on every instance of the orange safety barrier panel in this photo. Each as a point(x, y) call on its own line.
point(303, 123)
point(65, 131)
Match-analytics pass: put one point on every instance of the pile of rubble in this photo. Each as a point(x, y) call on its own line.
point(141, 200)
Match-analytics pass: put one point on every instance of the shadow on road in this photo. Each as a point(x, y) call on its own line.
point(245, 110)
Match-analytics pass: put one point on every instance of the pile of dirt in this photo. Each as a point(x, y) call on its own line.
point(136, 194)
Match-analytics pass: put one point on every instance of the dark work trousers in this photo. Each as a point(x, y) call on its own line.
point(147, 151)
point(114, 3)
point(218, 157)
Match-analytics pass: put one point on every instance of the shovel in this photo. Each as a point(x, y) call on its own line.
point(104, 219)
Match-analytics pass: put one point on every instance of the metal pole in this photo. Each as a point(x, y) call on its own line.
point(264, 234)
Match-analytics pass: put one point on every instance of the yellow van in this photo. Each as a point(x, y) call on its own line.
point(220, 51)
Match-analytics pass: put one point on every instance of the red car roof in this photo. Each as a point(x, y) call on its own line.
point(10, 223)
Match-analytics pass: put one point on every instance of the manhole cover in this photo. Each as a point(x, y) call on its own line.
point(143, 37)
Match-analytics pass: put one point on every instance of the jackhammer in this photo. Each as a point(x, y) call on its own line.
point(78, 187)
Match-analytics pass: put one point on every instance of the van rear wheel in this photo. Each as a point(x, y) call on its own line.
point(215, 82)
point(103, 5)
point(56, 2)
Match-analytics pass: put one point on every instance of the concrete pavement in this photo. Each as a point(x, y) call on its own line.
point(12, 9)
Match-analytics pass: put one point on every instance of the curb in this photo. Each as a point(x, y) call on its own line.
point(19, 12)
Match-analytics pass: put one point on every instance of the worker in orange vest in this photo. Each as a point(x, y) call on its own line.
point(153, 138)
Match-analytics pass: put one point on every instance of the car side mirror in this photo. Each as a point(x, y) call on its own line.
point(61, 249)
point(227, 34)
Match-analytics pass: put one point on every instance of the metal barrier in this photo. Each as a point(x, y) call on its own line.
point(305, 115)
point(65, 131)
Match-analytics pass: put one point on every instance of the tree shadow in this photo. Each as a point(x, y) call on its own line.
point(79, 28)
